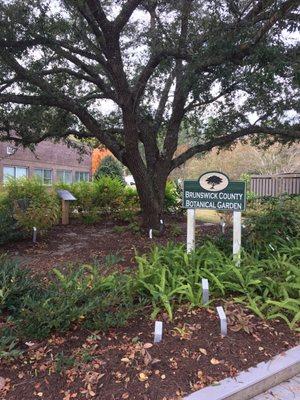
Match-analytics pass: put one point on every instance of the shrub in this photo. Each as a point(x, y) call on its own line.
point(33, 204)
point(110, 167)
point(172, 201)
point(272, 220)
point(9, 228)
point(108, 194)
point(15, 285)
point(130, 204)
point(83, 192)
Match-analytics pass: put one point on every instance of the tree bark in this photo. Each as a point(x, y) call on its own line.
point(151, 192)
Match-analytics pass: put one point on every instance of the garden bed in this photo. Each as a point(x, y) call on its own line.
point(123, 363)
point(81, 243)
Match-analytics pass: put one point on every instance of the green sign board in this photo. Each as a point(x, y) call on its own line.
point(214, 191)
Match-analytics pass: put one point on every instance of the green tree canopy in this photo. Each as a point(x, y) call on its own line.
point(110, 167)
point(133, 74)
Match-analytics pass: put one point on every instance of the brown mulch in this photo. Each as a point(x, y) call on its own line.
point(81, 243)
point(124, 363)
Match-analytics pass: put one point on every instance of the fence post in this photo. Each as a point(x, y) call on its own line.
point(190, 242)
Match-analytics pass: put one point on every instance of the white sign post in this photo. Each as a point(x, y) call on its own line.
point(214, 191)
point(237, 235)
point(190, 244)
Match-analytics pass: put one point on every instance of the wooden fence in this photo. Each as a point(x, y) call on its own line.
point(275, 185)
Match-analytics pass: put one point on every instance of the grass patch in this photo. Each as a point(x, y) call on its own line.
point(208, 216)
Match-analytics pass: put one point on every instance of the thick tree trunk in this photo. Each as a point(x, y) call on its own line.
point(152, 210)
point(151, 193)
point(150, 175)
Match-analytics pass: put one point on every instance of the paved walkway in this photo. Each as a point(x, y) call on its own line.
point(289, 390)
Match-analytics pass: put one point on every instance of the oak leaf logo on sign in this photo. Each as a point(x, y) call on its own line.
point(213, 181)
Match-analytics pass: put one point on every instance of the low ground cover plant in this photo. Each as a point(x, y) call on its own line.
point(34, 308)
point(167, 277)
point(268, 285)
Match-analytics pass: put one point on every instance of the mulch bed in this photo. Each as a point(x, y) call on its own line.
point(124, 363)
point(81, 243)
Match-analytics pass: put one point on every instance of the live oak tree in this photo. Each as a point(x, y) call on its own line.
point(214, 180)
point(136, 75)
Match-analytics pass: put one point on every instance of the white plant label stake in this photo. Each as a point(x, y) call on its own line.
point(237, 236)
point(158, 331)
point(190, 243)
point(34, 234)
point(150, 233)
point(223, 320)
point(205, 291)
point(223, 224)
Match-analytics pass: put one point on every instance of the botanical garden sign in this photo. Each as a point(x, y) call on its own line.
point(214, 191)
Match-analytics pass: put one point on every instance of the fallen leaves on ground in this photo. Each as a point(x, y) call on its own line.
point(143, 377)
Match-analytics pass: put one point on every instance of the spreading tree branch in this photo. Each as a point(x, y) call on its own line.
point(290, 134)
point(126, 12)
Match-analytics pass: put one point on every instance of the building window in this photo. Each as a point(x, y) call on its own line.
point(81, 176)
point(44, 174)
point(14, 172)
point(64, 176)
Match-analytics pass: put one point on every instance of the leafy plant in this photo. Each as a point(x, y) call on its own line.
point(10, 229)
point(8, 345)
point(271, 220)
point(134, 227)
point(33, 204)
point(172, 202)
point(238, 319)
point(182, 331)
point(15, 285)
point(62, 361)
point(175, 230)
point(120, 229)
point(112, 259)
point(80, 295)
point(91, 217)
point(110, 167)
point(108, 193)
point(269, 286)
